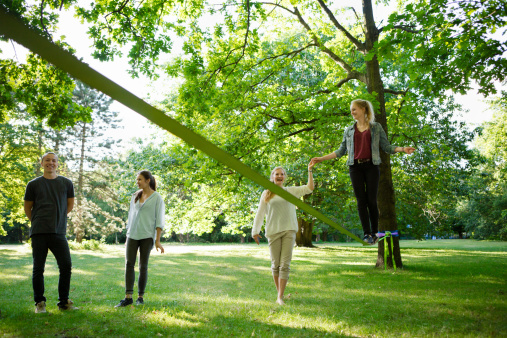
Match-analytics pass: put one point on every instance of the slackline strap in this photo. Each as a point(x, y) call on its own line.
point(12, 28)
point(384, 236)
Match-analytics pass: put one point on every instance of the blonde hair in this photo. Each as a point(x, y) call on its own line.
point(268, 195)
point(368, 107)
point(46, 154)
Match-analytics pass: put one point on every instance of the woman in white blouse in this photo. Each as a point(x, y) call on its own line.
point(144, 226)
point(281, 226)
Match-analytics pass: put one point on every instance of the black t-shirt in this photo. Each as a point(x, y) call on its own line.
point(49, 211)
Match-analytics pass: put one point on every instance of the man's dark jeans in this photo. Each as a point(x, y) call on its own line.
point(41, 244)
point(365, 180)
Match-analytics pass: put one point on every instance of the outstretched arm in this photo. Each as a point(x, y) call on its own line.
point(310, 175)
point(316, 160)
point(406, 150)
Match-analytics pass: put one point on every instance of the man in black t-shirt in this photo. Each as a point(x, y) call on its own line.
point(48, 200)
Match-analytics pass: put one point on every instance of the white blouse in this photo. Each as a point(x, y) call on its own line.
point(145, 218)
point(280, 214)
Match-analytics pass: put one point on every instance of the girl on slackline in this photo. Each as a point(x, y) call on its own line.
point(362, 141)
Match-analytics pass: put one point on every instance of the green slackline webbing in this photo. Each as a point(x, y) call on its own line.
point(14, 29)
point(386, 235)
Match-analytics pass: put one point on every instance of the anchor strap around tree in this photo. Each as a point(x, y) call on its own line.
point(383, 236)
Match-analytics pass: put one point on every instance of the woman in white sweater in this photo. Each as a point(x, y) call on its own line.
point(145, 224)
point(281, 226)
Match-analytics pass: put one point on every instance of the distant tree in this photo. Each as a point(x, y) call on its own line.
point(18, 153)
point(483, 208)
point(91, 143)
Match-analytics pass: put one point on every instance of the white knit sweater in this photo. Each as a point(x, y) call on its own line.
point(280, 214)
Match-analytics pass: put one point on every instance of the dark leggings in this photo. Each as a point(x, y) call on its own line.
point(144, 246)
point(365, 179)
point(41, 244)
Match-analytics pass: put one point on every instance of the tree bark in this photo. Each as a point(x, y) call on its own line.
point(81, 162)
point(57, 141)
point(304, 234)
point(386, 198)
point(39, 144)
point(79, 229)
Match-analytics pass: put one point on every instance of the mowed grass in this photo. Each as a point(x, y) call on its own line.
point(452, 288)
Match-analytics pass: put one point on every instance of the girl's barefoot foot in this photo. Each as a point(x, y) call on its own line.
point(279, 301)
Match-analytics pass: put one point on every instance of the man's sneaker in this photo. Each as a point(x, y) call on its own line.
point(40, 307)
point(140, 301)
point(375, 239)
point(68, 305)
point(124, 302)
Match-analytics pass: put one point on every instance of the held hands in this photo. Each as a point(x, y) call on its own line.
point(314, 161)
point(256, 238)
point(310, 165)
point(159, 246)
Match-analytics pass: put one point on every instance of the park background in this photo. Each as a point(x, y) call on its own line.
point(281, 107)
point(270, 83)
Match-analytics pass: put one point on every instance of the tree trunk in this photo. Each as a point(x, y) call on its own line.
point(81, 161)
point(39, 141)
point(304, 234)
point(79, 230)
point(57, 141)
point(386, 199)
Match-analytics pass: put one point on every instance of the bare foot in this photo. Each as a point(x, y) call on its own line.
point(279, 301)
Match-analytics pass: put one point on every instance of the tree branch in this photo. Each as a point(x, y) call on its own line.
point(42, 20)
point(354, 75)
point(395, 92)
point(245, 42)
point(277, 5)
point(322, 47)
point(292, 53)
point(299, 131)
point(359, 45)
point(408, 29)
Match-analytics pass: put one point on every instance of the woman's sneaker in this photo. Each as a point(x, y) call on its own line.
point(140, 301)
point(68, 305)
point(124, 302)
point(368, 239)
point(40, 307)
point(375, 239)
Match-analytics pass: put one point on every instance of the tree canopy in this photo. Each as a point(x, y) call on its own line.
point(271, 83)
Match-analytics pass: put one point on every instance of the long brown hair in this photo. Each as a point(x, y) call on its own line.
point(147, 176)
point(268, 195)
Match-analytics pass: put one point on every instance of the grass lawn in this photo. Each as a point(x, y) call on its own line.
point(451, 288)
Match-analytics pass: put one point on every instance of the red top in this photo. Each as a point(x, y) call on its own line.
point(362, 144)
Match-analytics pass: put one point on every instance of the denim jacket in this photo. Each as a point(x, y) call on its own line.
point(378, 138)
